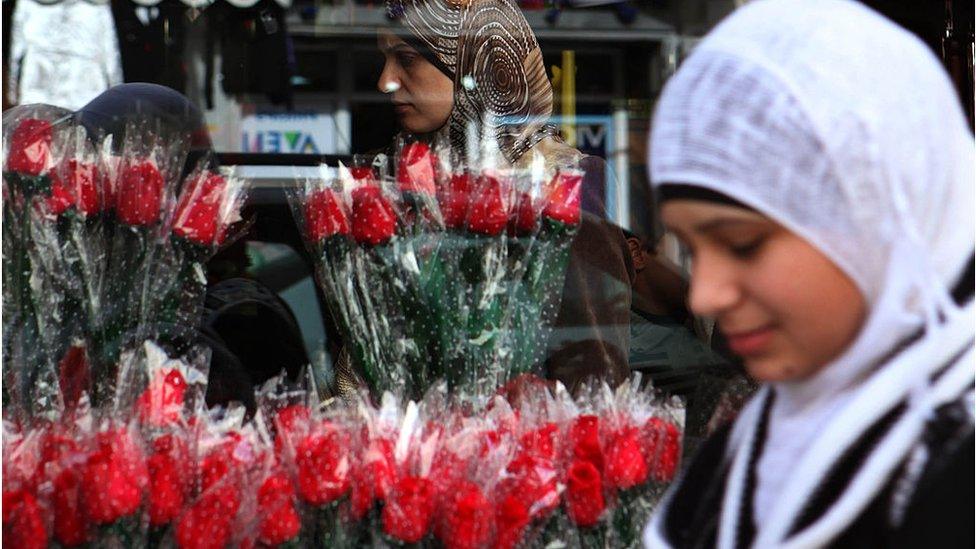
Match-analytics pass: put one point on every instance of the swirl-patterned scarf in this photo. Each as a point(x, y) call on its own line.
point(489, 51)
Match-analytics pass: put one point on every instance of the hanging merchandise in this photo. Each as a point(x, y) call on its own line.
point(63, 53)
point(152, 38)
point(253, 51)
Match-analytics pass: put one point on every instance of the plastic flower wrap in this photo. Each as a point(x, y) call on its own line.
point(443, 271)
point(104, 244)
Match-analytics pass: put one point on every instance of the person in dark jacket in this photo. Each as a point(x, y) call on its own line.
point(814, 158)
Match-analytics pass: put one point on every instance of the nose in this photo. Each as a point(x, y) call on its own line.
point(714, 288)
point(389, 81)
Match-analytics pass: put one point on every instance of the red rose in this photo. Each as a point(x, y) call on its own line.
point(162, 402)
point(207, 523)
point(584, 438)
point(23, 523)
point(417, 170)
point(362, 173)
point(324, 216)
point(467, 518)
point(511, 519)
point(626, 466)
point(534, 481)
point(291, 422)
point(374, 478)
point(453, 200)
point(55, 446)
point(409, 509)
point(113, 478)
point(542, 441)
point(563, 200)
point(61, 197)
point(373, 219)
point(197, 214)
point(323, 467)
point(30, 147)
point(140, 193)
point(663, 447)
point(525, 219)
point(488, 214)
point(165, 489)
point(219, 462)
point(584, 493)
point(70, 528)
point(279, 519)
point(76, 184)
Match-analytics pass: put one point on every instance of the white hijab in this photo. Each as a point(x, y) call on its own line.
point(845, 129)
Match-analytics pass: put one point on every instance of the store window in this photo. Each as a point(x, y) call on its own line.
point(284, 85)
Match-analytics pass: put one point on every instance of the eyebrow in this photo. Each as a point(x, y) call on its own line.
point(715, 224)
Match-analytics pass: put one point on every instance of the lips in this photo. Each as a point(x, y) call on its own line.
point(749, 342)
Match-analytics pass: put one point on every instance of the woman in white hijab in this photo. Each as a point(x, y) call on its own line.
point(814, 158)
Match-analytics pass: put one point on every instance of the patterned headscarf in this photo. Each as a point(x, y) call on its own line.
point(489, 51)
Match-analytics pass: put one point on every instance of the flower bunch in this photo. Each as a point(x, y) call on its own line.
point(541, 469)
point(441, 271)
point(104, 243)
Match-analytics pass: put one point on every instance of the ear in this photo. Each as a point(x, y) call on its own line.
point(637, 254)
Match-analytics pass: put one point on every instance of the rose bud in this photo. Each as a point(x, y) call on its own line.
point(324, 216)
point(323, 467)
point(276, 506)
point(662, 441)
point(584, 439)
point(140, 194)
point(197, 216)
point(374, 477)
point(417, 169)
point(30, 147)
point(584, 493)
point(511, 519)
point(488, 215)
point(207, 523)
point(467, 518)
point(168, 479)
point(525, 219)
point(162, 402)
point(112, 479)
point(453, 200)
point(626, 466)
point(70, 527)
point(563, 199)
point(23, 522)
point(362, 173)
point(61, 197)
point(409, 509)
point(80, 184)
point(373, 218)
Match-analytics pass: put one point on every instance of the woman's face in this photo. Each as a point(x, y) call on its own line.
point(784, 307)
point(422, 95)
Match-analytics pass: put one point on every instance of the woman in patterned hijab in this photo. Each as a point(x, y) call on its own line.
point(489, 71)
point(456, 64)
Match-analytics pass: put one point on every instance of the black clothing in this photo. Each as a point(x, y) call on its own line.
point(931, 506)
point(152, 52)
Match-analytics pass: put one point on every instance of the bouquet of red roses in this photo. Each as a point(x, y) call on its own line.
point(443, 271)
point(104, 247)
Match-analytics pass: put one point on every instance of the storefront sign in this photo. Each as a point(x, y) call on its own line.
point(294, 132)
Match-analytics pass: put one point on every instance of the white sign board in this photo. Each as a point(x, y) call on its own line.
point(292, 132)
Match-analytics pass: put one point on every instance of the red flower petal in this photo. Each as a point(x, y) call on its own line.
point(197, 215)
point(467, 518)
point(488, 214)
point(409, 510)
point(324, 215)
point(584, 494)
point(140, 193)
point(30, 147)
point(563, 200)
point(626, 466)
point(373, 218)
point(417, 170)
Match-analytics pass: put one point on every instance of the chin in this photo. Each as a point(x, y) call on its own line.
point(777, 368)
